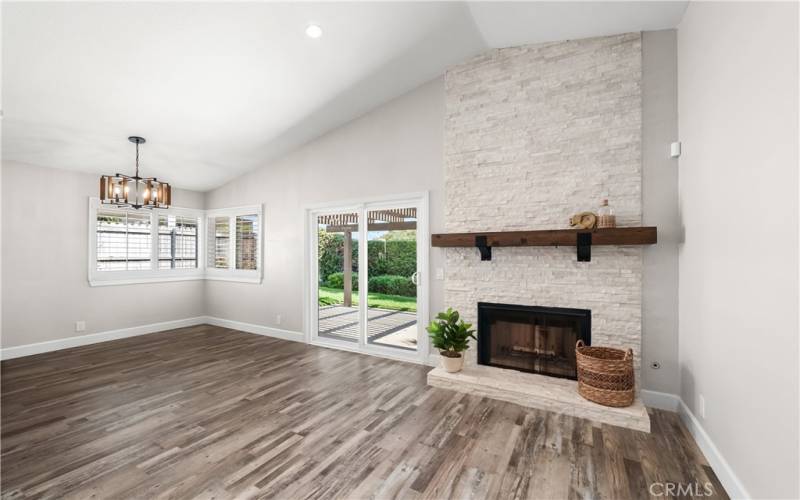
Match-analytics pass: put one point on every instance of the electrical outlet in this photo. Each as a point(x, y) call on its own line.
point(278, 319)
point(80, 326)
point(701, 406)
point(439, 273)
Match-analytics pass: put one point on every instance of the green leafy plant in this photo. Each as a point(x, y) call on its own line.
point(393, 285)
point(450, 334)
point(336, 280)
point(390, 255)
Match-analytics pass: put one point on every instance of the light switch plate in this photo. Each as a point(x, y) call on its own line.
point(675, 149)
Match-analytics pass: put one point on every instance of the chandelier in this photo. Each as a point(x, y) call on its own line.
point(134, 192)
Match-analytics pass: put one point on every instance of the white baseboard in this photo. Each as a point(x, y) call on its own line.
point(93, 338)
point(257, 329)
point(661, 400)
point(730, 481)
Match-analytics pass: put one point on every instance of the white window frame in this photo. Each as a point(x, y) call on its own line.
point(311, 278)
point(154, 274)
point(231, 273)
point(202, 271)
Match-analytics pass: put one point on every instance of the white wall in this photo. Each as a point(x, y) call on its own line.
point(396, 148)
point(660, 209)
point(45, 288)
point(738, 104)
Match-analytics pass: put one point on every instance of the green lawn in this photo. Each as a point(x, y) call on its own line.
point(330, 296)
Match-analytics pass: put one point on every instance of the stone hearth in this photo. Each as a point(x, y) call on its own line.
point(538, 391)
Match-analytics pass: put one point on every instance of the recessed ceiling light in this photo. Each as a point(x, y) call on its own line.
point(313, 31)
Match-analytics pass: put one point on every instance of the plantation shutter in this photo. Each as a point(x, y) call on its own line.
point(247, 242)
point(218, 242)
point(177, 242)
point(123, 240)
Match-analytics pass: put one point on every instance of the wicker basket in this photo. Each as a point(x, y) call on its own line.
point(605, 375)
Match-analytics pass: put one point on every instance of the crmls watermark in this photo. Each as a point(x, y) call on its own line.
point(681, 489)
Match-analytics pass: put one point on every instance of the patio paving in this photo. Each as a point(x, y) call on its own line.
point(385, 327)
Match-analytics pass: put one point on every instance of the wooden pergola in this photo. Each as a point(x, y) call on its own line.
point(395, 219)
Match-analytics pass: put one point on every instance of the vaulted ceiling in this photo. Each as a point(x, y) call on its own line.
point(221, 88)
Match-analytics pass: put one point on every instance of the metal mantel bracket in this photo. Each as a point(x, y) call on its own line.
point(483, 247)
point(584, 246)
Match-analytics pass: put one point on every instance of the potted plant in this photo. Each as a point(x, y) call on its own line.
point(451, 336)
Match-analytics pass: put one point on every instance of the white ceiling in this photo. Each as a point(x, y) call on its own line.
point(221, 88)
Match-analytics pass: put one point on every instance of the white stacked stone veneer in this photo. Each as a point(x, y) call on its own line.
point(534, 134)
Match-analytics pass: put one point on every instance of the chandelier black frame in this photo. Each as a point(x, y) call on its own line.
point(135, 192)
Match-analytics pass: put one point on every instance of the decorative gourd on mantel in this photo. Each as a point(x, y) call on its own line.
point(582, 239)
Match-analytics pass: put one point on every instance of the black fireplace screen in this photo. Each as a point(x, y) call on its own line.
point(531, 338)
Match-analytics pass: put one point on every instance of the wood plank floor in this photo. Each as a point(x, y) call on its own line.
point(208, 412)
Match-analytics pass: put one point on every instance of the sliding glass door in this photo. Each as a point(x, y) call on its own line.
point(366, 283)
point(392, 277)
point(338, 314)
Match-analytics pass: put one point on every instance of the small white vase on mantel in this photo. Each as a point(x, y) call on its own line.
point(452, 364)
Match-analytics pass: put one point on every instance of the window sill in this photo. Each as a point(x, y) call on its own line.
point(236, 279)
point(234, 275)
point(142, 280)
point(166, 279)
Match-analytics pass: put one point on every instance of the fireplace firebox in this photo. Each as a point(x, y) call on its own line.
point(531, 338)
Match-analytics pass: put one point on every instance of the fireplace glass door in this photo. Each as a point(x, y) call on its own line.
point(531, 339)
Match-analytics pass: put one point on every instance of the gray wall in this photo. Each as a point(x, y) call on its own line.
point(738, 104)
point(394, 149)
point(660, 209)
point(45, 288)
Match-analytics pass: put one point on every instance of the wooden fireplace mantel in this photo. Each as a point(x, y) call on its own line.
point(550, 237)
point(583, 239)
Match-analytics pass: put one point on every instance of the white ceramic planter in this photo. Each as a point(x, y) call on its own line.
point(453, 365)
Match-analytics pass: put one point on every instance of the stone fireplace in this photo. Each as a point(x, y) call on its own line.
point(532, 339)
point(533, 135)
